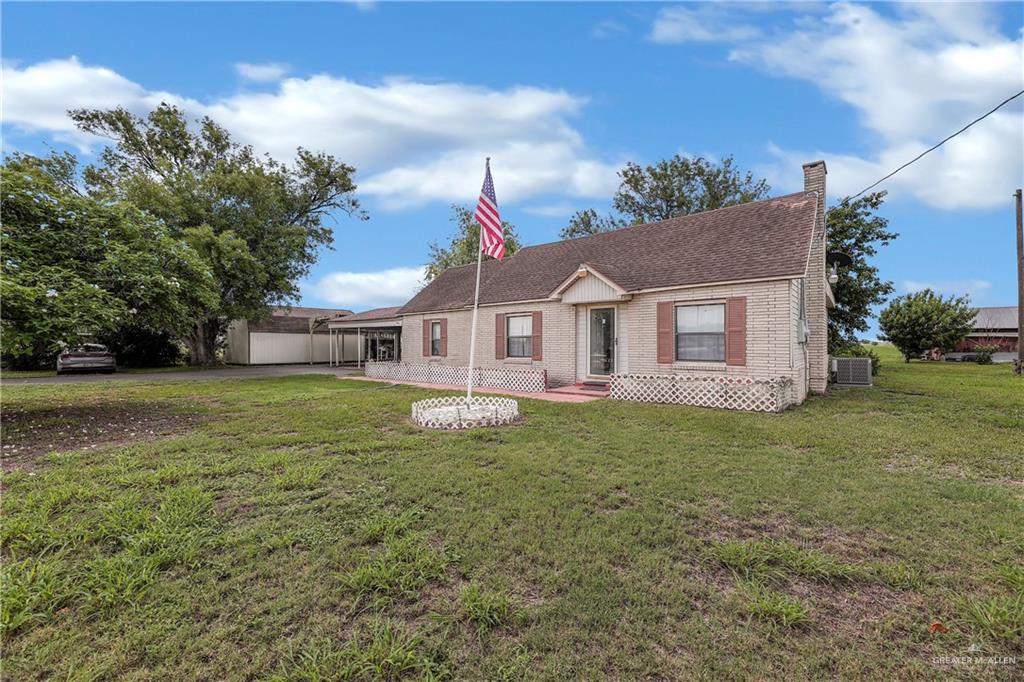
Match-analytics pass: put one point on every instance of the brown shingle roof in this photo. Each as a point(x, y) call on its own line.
point(375, 314)
point(756, 240)
point(294, 320)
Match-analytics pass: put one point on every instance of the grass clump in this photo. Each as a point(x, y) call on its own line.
point(30, 590)
point(117, 581)
point(383, 651)
point(400, 569)
point(386, 525)
point(773, 606)
point(774, 560)
point(999, 618)
point(1013, 575)
point(486, 610)
point(898, 575)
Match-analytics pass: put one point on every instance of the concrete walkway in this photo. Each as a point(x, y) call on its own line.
point(552, 396)
point(248, 372)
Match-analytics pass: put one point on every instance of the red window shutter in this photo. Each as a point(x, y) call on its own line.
point(736, 330)
point(666, 311)
point(426, 338)
point(499, 336)
point(444, 337)
point(538, 329)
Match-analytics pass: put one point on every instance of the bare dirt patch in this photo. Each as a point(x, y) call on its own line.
point(30, 433)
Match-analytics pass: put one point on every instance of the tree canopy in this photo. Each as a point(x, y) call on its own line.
point(923, 320)
point(671, 187)
point(855, 229)
point(256, 222)
point(463, 246)
point(75, 267)
point(680, 186)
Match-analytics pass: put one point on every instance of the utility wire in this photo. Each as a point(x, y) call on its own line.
point(983, 116)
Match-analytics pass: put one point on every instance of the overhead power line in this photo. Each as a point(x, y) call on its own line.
point(931, 149)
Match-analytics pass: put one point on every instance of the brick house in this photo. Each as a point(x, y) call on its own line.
point(723, 308)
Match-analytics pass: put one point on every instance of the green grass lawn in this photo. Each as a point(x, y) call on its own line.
point(303, 528)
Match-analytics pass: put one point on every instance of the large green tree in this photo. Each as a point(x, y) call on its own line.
point(671, 187)
point(856, 230)
point(257, 222)
point(75, 267)
point(923, 320)
point(463, 246)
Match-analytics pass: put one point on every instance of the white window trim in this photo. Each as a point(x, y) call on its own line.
point(518, 358)
point(439, 331)
point(696, 364)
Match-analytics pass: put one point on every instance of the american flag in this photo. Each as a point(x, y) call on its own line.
point(493, 243)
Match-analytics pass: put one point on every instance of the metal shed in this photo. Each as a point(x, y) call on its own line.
point(287, 336)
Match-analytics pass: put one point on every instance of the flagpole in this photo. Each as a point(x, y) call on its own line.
point(476, 309)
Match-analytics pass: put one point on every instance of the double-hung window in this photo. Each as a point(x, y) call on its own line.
point(435, 338)
point(519, 336)
point(700, 332)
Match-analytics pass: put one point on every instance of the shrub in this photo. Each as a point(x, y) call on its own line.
point(983, 354)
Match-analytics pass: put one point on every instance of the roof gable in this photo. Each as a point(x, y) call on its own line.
point(588, 285)
point(757, 240)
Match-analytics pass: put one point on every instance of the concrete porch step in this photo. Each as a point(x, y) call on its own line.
point(593, 388)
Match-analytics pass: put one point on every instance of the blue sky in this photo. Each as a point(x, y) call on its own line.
point(561, 95)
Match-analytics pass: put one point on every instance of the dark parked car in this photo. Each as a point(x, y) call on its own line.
point(89, 357)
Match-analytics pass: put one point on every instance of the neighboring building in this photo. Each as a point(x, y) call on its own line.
point(288, 336)
point(724, 308)
point(992, 327)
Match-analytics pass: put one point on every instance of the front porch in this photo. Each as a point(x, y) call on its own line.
point(371, 336)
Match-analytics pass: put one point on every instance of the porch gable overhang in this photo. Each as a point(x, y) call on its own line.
point(598, 289)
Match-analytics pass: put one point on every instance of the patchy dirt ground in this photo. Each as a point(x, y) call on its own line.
point(28, 434)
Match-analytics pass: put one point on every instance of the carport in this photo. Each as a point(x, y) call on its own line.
point(371, 335)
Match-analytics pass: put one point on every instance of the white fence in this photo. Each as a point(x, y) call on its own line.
point(525, 380)
point(728, 392)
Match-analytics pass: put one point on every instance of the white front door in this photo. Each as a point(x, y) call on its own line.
point(601, 342)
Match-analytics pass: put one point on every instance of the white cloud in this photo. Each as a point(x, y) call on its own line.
point(700, 24)
point(377, 289)
point(971, 287)
point(559, 210)
point(607, 29)
point(36, 98)
point(913, 79)
point(262, 73)
point(412, 142)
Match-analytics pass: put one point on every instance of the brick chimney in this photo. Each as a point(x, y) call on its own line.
point(817, 313)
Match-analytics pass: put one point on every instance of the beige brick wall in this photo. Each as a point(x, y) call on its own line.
point(817, 320)
point(772, 328)
point(558, 338)
point(770, 331)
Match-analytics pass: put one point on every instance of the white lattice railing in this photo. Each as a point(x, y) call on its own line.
point(525, 380)
point(728, 392)
point(453, 412)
